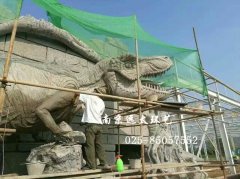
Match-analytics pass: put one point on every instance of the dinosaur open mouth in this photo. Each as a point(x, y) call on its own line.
point(150, 76)
point(148, 83)
point(154, 75)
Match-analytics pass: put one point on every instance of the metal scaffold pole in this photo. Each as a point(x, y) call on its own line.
point(210, 107)
point(203, 138)
point(224, 135)
point(182, 124)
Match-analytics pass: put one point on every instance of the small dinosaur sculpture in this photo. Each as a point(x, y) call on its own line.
point(163, 148)
point(32, 109)
point(169, 151)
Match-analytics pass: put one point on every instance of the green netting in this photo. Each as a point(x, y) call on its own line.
point(9, 9)
point(115, 36)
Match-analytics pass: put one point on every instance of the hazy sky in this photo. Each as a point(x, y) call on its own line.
point(216, 23)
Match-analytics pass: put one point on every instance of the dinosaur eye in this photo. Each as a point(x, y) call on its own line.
point(129, 64)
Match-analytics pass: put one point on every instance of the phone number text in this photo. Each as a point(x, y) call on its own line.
point(161, 140)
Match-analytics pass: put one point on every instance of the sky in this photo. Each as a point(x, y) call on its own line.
point(216, 23)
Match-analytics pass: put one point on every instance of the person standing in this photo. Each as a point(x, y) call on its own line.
point(93, 110)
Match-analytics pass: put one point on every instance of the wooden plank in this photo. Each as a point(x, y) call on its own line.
point(170, 107)
point(7, 130)
point(168, 174)
point(104, 173)
point(88, 173)
point(53, 175)
point(173, 165)
point(5, 134)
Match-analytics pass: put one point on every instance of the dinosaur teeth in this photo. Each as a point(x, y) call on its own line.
point(149, 86)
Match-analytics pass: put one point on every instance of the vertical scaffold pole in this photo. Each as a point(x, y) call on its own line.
point(8, 58)
point(224, 135)
point(139, 97)
point(203, 139)
point(119, 150)
point(7, 66)
point(210, 107)
point(182, 124)
point(205, 150)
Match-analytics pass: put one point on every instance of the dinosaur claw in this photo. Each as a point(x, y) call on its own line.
point(61, 138)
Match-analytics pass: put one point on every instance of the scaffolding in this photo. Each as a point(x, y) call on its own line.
point(185, 112)
point(145, 105)
point(200, 111)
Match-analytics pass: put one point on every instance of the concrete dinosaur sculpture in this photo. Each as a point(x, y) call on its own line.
point(34, 109)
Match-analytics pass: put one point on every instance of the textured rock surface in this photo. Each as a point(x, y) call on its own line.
point(58, 158)
point(61, 156)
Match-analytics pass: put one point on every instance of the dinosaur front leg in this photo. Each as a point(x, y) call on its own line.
point(58, 101)
point(153, 153)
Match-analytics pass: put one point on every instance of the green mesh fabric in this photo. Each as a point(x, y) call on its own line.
point(115, 36)
point(10, 9)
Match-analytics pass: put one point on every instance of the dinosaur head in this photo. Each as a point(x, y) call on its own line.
point(121, 76)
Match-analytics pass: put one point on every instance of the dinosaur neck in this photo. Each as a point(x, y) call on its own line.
point(92, 77)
